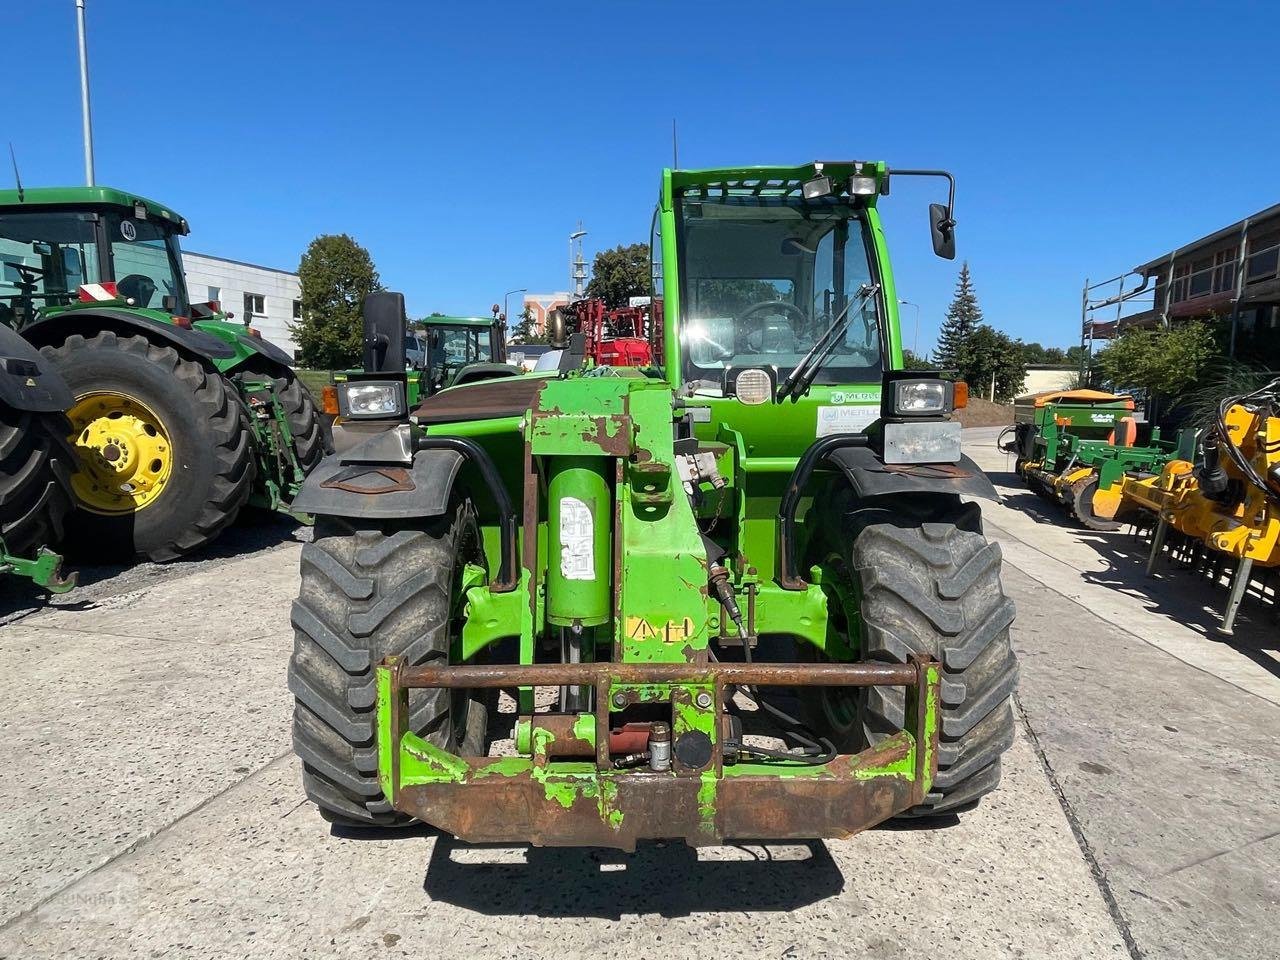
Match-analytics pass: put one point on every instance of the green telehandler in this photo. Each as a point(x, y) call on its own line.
point(750, 577)
point(180, 415)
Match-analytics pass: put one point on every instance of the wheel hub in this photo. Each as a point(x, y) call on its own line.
point(126, 456)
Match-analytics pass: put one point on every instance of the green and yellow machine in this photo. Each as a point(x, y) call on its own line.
point(180, 415)
point(1076, 446)
point(659, 550)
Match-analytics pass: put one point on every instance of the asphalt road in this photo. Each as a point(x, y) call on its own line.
point(152, 805)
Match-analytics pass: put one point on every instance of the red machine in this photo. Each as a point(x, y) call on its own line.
point(621, 337)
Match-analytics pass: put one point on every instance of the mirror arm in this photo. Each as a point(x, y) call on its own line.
point(951, 188)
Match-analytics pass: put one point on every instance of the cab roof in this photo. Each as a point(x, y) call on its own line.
point(34, 197)
point(457, 321)
point(767, 181)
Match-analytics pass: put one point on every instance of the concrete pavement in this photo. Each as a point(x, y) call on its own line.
point(154, 806)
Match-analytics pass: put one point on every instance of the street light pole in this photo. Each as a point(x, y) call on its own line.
point(84, 95)
point(573, 273)
point(505, 314)
point(915, 337)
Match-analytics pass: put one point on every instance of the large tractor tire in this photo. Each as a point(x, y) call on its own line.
point(929, 582)
point(368, 593)
point(36, 463)
point(165, 460)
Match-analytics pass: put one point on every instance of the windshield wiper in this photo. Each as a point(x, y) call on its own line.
point(801, 378)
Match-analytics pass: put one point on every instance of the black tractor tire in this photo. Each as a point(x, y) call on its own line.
point(370, 592)
point(1081, 506)
point(929, 582)
point(213, 467)
point(312, 439)
point(36, 463)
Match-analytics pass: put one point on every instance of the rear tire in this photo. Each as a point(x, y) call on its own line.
point(368, 593)
point(36, 463)
point(929, 583)
point(212, 469)
point(311, 438)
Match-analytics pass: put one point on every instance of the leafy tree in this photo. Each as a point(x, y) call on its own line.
point(1035, 353)
point(335, 274)
point(912, 361)
point(526, 330)
point(729, 297)
point(619, 274)
point(1165, 362)
point(964, 316)
point(990, 357)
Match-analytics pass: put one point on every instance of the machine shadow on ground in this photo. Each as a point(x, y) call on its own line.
point(254, 530)
point(666, 879)
point(1184, 595)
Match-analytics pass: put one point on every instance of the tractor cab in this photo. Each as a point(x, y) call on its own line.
point(62, 248)
point(454, 344)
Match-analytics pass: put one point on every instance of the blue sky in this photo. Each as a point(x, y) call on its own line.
point(461, 143)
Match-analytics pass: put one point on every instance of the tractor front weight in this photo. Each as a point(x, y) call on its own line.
point(570, 791)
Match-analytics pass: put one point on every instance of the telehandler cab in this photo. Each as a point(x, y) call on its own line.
point(777, 505)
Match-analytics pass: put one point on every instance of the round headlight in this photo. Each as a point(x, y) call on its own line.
point(753, 387)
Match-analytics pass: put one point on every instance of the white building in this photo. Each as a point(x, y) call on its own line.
point(268, 298)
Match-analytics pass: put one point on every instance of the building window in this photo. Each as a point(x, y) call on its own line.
point(1264, 258)
point(255, 305)
point(297, 309)
point(1201, 277)
point(215, 294)
point(1224, 270)
point(1179, 291)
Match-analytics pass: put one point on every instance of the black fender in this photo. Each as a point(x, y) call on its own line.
point(51, 331)
point(27, 379)
point(267, 349)
point(475, 372)
point(384, 477)
point(869, 476)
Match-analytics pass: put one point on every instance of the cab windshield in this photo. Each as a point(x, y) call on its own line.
point(44, 258)
point(463, 345)
point(763, 277)
point(147, 263)
point(46, 255)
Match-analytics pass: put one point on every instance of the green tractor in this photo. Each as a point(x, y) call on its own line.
point(666, 552)
point(180, 415)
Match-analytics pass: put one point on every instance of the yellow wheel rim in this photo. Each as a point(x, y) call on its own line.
point(126, 457)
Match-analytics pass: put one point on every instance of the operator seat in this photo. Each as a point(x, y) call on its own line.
point(137, 287)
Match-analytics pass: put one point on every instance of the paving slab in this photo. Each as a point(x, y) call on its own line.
point(257, 873)
point(112, 733)
point(1172, 777)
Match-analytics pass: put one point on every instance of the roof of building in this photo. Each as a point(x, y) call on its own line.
point(239, 263)
point(1233, 230)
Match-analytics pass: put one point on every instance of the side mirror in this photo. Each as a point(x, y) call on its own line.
point(943, 231)
point(557, 329)
point(384, 326)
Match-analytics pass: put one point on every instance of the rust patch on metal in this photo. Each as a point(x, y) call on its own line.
point(934, 471)
point(398, 480)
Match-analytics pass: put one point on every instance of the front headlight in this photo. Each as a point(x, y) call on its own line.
point(913, 398)
point(371, 399)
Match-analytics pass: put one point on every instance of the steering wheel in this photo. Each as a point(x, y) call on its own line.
point(746, 328)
